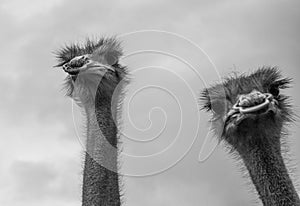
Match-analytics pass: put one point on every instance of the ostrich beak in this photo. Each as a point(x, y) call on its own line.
point(83, 63)
point(253, 108)
point(254, 103)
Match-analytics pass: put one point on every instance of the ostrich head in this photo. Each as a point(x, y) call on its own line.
point(92, 67)
point(248, 107)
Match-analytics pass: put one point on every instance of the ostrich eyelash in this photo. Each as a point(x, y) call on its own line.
point(283, 83)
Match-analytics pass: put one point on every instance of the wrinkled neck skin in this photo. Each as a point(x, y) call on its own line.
point(100, 177)
point(265, 164)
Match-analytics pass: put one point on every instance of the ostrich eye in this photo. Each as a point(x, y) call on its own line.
point(274, 90)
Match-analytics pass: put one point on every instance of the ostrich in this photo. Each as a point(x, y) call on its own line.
point(249, 114)
point(95, 82)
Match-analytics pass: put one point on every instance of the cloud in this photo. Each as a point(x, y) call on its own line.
point(24, 10)
point(43, 182)
point(33, 180)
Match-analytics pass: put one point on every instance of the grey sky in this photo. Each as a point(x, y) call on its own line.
point(40, 155)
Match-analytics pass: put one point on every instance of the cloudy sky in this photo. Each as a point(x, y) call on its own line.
point(181, 46)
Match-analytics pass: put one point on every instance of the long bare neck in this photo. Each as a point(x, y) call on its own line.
point(268, 172)
point(100, 178)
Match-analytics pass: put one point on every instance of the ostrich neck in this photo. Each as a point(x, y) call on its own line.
point(268, 172)
point(100, 177)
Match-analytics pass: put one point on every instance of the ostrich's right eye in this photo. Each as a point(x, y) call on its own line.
point(274, 90)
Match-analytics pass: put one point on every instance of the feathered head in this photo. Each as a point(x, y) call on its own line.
point(244, 106)
point(91, 67)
